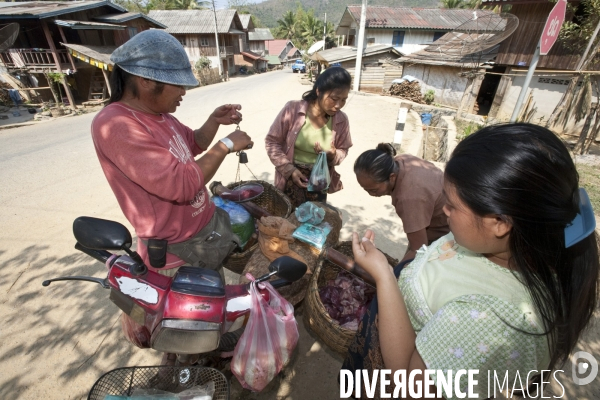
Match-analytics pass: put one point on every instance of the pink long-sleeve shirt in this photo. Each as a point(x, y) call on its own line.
point(282, 137)
point(149, 163)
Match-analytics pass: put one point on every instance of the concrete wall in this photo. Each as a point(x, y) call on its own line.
point(546, 92)
point(445, 82)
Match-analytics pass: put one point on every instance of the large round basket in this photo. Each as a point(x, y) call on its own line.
point(316, 317)
point(272, 200)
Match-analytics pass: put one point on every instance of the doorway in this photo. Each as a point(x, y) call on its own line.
point(488, 88)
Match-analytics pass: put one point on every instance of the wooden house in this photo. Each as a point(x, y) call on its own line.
point(195, 29)
point(49, 32)
point(553, 71)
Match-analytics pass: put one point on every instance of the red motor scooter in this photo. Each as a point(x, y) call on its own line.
point(191, 314)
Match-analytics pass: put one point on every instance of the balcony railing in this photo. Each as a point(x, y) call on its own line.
point(227, 51)
point(33, 58)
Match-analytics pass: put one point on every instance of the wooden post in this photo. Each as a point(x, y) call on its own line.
point(64, 38)
point(57, 62)
point(105, 74)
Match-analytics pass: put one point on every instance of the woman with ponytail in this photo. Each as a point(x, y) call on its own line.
point(513, 286)
point(416, 187)
point(306, 127)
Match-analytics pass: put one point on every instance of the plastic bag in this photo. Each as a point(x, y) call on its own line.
point(319, 176)
point(315, 235)
point(268, 341)
point(242, 223)
point(308, 212)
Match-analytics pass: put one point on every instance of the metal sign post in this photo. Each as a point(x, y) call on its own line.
point(555, 20)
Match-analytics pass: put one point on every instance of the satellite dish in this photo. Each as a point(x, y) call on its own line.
point(482, 32)
point(8, 35)
point(316, 47)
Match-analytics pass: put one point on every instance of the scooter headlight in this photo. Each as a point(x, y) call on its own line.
point(186, 337)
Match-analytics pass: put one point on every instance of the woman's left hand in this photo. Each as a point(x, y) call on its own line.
point(369, 257)
point(330, 154)
point(227, 114)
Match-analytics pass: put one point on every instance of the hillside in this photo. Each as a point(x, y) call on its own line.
point(270, 11)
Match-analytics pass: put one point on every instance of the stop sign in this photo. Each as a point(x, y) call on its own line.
point(552, 27)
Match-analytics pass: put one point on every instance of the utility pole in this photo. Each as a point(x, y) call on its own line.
point(361, 42)
point(325, 32)
point(217, 40)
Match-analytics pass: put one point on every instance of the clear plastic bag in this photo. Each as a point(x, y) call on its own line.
point(319, 176)
point(308, 212)
point(315, 235)
point(268, 341)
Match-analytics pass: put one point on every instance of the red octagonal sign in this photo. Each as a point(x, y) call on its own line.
point(552, 27)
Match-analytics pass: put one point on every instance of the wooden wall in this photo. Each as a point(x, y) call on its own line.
point(518, 49)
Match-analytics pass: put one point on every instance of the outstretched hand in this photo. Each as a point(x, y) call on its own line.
point(369, 257)
point(227, 114)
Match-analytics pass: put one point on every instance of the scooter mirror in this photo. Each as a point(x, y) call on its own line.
point(288, 268)
point(101, 234)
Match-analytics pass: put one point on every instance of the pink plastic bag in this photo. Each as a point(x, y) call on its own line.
point(268, 341)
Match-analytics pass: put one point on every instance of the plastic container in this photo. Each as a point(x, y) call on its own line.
point(426, 119)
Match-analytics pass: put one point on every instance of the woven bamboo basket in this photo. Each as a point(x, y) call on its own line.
point(316, 316)
point(272, 200)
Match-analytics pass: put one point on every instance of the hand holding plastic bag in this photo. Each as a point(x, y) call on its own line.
point(319, 177)
point(268, 341)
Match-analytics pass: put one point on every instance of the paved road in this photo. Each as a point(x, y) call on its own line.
point(56, 341)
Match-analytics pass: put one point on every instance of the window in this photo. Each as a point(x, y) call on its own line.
point(132, 30)
point(398, 38)
point(371, 40)
point(204, 41)
point(437, 35)
point(181, 40)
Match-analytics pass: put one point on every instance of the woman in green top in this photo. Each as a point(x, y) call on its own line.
point(305, 128)
point(510, 290)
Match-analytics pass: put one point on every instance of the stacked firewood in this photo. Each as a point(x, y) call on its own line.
point(407, 90)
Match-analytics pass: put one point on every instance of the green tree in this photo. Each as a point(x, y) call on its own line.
point(286, 28)
point(187, 5)
point(311, 29)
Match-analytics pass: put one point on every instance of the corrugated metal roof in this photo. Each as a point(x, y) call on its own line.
point(339, 54)
point(100, 53)
point(275, 47)
point(272, 60)
point(88, 25)
point(45, 9)
point(260, 34)
point(252, 55)
point(128, 16)
point(195, 21)
point(245, 20)
point(415, 18)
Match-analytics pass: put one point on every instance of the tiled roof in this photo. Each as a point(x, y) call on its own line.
point(260, 34)
point(415, 18)
point(194, 21)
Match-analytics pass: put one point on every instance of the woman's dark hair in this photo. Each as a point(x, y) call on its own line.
point(119, 81)
point(330, 79)
point(379, 164)
point(525, 174)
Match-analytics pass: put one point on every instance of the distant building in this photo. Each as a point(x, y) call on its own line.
point(407, 29)
point(195, 29)
point(284, 49)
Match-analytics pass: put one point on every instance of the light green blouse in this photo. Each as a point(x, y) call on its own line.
point(462, 307)
point(304, 148)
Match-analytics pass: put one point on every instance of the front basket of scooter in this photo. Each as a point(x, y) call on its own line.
point(124, 382)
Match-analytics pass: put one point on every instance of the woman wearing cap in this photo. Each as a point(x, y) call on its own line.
point(148, 156)
point(417, 190)
point(306, 127)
